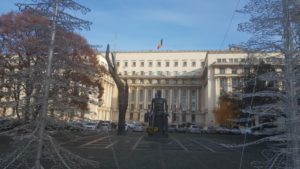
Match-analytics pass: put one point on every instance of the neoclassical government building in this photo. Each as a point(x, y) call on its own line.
point(191, 81)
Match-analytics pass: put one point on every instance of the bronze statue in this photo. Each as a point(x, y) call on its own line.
point(158, 119)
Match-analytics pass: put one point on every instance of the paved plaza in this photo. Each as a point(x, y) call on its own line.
point(179, 151)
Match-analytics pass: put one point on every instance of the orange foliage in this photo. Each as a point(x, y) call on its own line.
point(228, 109)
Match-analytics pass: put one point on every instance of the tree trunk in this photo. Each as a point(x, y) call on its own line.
point(27, 101)
point(123, 104)
point(293, 143)
point(43, 115)
point(122, 90)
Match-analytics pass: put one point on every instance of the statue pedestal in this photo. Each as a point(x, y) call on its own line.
point(155, 132)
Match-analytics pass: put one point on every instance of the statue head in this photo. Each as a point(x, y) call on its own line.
point(158, 93)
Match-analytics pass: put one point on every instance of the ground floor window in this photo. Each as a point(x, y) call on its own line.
point(141, 106)
point(184, 117)
point(174, 118)
point(131, 116)
point(193, 117)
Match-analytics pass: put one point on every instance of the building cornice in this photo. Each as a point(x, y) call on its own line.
point(179, 51)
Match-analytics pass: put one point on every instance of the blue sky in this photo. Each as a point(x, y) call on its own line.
point(140, 24)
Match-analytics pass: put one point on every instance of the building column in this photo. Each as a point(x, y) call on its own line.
point(179, 95)
point(153, 92)
point(107, 94)
point(197, 100)
point(145, 98)
point(136, 101)
point(110, 100)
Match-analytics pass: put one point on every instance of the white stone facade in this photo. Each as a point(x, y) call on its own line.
point(191, 81)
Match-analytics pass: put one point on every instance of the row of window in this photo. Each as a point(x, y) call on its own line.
point(158, 73)
point(159, 64)
point(234, 70)
point(237, 83)
point(254, 59)
point(166, 81)
point(230, 60)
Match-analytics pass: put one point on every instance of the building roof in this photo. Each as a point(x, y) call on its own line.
point(178, 51)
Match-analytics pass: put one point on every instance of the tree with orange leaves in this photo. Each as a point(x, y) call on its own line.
point(228, 110)
point(56, 69)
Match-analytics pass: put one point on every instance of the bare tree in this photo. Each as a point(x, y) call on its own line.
point(122, 89)
point(275, 28)
point(74, 68)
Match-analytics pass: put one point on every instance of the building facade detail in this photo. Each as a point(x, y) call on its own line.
point(190, 81)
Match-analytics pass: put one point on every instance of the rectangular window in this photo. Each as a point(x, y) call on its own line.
point(183, 104)
point(150, 73)
point(167, 96)
point(176, 73)
point(149, 95)
point(167, 64)
point(193, 99)
point(193, 118)
point(236, 60)
point(141, 93)
point(133, 73)
point(142, 73)
point(174, 100)
point(231, 60)
point(174, 118)
point(150, 64)
point(183, 117)
point(202, 63)
point(167, 73)
point(141, 106)
point(193, 64)
point(235, 83)
point(184, 64)
point(125, 73)
point(125, 64)
point(131, 116)
point(223, 84)
point(222, 70)
point(133, 95)
point(142, 64)
point(219, 60)
point(133, 64)
point(118, 64)
point(224, 60)
point(158, 64)
point(132, 106)
point(176, 64)
point(234, 70)
point(159, 73)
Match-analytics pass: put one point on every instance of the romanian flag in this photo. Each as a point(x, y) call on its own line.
point(159, 45)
